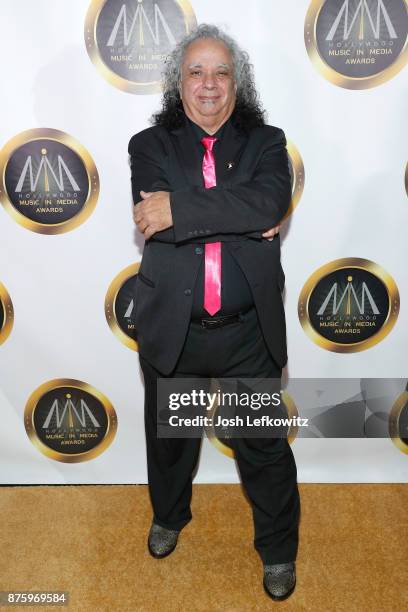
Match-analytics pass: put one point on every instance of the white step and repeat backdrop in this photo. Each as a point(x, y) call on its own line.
point(78, 79)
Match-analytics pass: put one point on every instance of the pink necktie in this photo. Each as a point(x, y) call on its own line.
point(212, 279)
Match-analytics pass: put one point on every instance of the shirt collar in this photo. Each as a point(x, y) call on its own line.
point(199, 132)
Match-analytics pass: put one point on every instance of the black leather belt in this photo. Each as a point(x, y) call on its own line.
point(220, 321)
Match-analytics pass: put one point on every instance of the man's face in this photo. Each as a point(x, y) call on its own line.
point(207, 82)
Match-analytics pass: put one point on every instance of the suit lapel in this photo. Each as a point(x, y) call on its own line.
point(229, 153)
point(186, 151)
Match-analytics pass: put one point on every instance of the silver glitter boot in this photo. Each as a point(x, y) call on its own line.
point(279, 580)
point(161, 541)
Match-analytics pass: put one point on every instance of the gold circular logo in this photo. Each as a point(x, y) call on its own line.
point(348, 305)
point(223, 444)
point(6, 314)
point(297, 171)
point(119, 305)
point(69, 420)
point(357, 44)
point(128, 40)
point(49, 183)
point(398, 422)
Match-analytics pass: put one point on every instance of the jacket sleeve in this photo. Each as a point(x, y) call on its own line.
point(148, 163)
point(249, 206)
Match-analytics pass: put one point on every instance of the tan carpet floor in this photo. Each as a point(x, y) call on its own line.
point(91, 541)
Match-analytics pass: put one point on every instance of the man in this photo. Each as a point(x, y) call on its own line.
point(211, 184)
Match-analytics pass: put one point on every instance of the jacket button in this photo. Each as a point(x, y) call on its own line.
point(187, 291)
point(198, 251)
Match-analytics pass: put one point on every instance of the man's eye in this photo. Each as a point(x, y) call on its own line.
point(222, 74)
point(196, 73)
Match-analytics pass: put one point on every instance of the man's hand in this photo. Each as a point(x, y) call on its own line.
point(270, 234)
point(153, 213)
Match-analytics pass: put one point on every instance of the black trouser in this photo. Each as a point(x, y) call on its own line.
point(267, 466)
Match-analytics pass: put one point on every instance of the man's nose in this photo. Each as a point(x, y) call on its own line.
point(209, 81)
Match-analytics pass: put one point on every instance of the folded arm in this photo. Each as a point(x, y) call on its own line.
point(248, 207)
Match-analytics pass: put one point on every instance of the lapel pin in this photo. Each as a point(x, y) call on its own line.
point(230, 165)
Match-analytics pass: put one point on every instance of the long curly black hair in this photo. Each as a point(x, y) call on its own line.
point(248, 112)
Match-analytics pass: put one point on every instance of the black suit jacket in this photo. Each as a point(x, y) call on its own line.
point(250, 197)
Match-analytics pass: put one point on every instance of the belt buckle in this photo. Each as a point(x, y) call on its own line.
point(208, 323)
point(223, 320)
